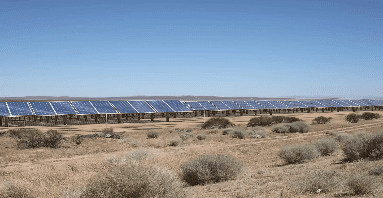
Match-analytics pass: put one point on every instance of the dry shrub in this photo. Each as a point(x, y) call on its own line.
point(260, 121)
point(370, 116)
point(319, 182)
point(201, 137)
point(298, 153)
point(277, 119)
point(211, 168)
point(342, 137)
point(321, 120)
point(257, 131)
point(152, 134)
point(12, 190)
point(300, 127)
point(326, 146)
point(226, 131)
point(377, 171)
point(280, 129)
point(352, 117)
point(108, 133)
point(132, 180)
point(291, 119)
point(238, 134)
point(175, 142)
point(131, 141)
point(363, 146)
point(184, 136)
point(217, 123)
point(361, 184)
point(37, 139)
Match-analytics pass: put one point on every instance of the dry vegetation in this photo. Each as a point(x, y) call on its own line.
point(247, 156)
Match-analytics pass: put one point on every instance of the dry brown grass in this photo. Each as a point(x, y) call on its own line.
point(66, 171)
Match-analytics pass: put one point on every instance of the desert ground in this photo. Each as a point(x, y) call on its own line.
point(65, 171)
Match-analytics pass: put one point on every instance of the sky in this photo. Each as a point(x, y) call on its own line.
point(230, 48)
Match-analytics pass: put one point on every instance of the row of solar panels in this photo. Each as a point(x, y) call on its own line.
point(152, 106)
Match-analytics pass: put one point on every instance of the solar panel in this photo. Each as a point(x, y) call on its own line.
point(19, 108)
point(288, 104)
point(231, 104)
point(42, 108)
point(359, 103)
point(255, 105)
point(266, 104)
point(300, 104)
point(220, 105)
point(304, 102)
point(141, 106)
point(63, 108)
point(177, 105)
point(160, 106)
point(372, 102)
point(84, 107)
point(278, 104)
point(4, 109)
point(244, 105)
point(334, 103)
point(343, 103)
point(103, 107)
point(317, 104)
point(325, 103)
point(123, 107)
point(208, 105)
point(196, 105)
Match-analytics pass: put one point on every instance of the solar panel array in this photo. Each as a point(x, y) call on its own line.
point(42, 108)
point(123, 107)
point(84, 107)
point(63, 108)
point(103, 107)
point(19, 108)
point(160, 106)
point(220, 105)
point(141, 106)
point(4, 109)
point(196, 105)
point(177, 105)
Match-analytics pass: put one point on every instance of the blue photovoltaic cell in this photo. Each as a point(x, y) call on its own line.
point(372, 102)
point(103, 107)
point(208, 105)
point(4, 109)
point(220, 105)
point(298, 104)
point(325, 103)
point(231, 104)
point(288, 104)
point(333, 103)
point(317, 104)
point(360, 102)
point(196, 105)
point(123, 107)
point(278, 104)
point(177, 105)
point(141, 106)
point(63, 108)
point(160, 106)
point(341, 102)
point(349, 103)
point(19, 108)
point(266, 104)
point(84, 107)
point(306, 103)
point(244, 105)
point(42, 108)
point(254, 104)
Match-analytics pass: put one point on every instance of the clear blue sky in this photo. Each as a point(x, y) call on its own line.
point(243, 48)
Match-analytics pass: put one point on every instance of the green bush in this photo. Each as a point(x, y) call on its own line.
point(153, 134)
point(300, 127)
point(260, 121)
point(280, 129)
point(363, 146)
point(319, 182)
point(361, 185)
point(134, 181)
point(291, 119)
point(370, 116)
point(321, 120)
point(201, 137)
point(184, 136)
point(217, 123)
point(352, 117)
point(298, 153)
point(326, 146)
point(211, 168)
point(12, 190)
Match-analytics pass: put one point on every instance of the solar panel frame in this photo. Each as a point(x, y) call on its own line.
point(103, 107)
point(160, 106)
point(255, 105)
point(84, 107)
point(278, 104)
point(63, 108)
point(19, 108)
point(178, 106)
point(4, 111)
point(42, 108)
point(208, 105)
point(220, 105)
point(244, 105)
point(266, 104)
point(231, 105)
point(123, 107)
point(196, 106)
point(298, 104)
point(141, 106)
